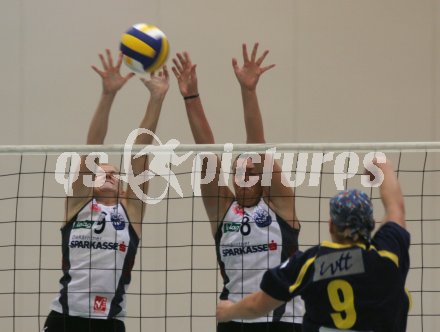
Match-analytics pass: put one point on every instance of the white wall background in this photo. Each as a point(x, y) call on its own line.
point(346, 71)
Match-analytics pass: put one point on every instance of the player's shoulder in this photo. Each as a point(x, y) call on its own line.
point(392, 231)
point(76, 205)
point(303, 259)
point(392, 226)
point(392, 241)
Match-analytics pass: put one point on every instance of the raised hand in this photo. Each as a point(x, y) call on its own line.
point(158, 84)
point(112, 80)
point(249, 74)
point(185, 72)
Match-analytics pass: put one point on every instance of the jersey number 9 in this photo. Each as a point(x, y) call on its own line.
point(340, 294)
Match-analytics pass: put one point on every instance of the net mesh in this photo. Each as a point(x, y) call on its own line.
point(176, 280)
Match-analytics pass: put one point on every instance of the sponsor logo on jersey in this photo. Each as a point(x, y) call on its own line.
point(96, 207)
point(87, 224)
point(118, 221)
point(100, 304)
point(104, 245)
point(262, 218)
point(273, 246)
point(249, 249)
point(231, 227)
point(238, 210)
point(122, 247)
point(339, 263)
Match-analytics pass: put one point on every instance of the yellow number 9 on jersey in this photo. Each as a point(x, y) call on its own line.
point(342, 304)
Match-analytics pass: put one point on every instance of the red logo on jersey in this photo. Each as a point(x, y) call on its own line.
point(100, 304)
point(238, 210)
point(273, 245)
point(122, 247)
point(95, 207)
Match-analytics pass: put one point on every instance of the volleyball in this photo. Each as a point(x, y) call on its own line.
point(144, 47)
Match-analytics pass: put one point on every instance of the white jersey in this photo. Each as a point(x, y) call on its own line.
point(249, 241)
point(99, 246)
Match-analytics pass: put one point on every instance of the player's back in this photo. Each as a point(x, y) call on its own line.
point(354, 287)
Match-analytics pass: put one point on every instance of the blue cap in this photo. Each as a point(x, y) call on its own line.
point(353, 209)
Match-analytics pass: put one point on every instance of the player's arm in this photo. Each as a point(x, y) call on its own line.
point(252, 306)
point(391, 195)
point(248, 76)
point(157, 85)
point(279, 197)
point(112, 82)
point(392, 241)
point(278, 286)
point(215, 198)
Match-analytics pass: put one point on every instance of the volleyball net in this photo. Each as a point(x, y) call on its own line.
point(176, 280)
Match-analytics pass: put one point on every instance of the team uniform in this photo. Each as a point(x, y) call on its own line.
point(351, 287)
point(249, 241)
point(99, 247)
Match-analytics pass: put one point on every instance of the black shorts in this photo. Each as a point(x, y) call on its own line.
point(258, 327)
point(57, 322)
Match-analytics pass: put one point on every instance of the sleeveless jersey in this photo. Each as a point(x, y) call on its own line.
point(99, 246)
point(249, 241)
point(349, 287)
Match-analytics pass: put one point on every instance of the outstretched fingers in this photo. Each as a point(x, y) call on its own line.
point(187, 58)
point(103, 62)
point(235, 64)
point(245, 53)
point(262, 57)
point(164, 72)
point(99, 72)
point(128, 76)
point(178, 64)
point(254, 52)
point(119, 63)
point(182, 64)
point(176, 73)
point(107, 64)
point(267, 68)
point(177, 69)
point(184, 60)
point(109, 58)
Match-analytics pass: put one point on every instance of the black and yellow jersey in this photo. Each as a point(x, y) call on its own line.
point(351, 287)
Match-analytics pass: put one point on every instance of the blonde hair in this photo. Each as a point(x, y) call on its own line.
point(348, 234)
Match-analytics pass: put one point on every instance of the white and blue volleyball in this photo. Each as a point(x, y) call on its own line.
point(144, 47)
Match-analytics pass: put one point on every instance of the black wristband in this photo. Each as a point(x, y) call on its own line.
point(191, 97)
